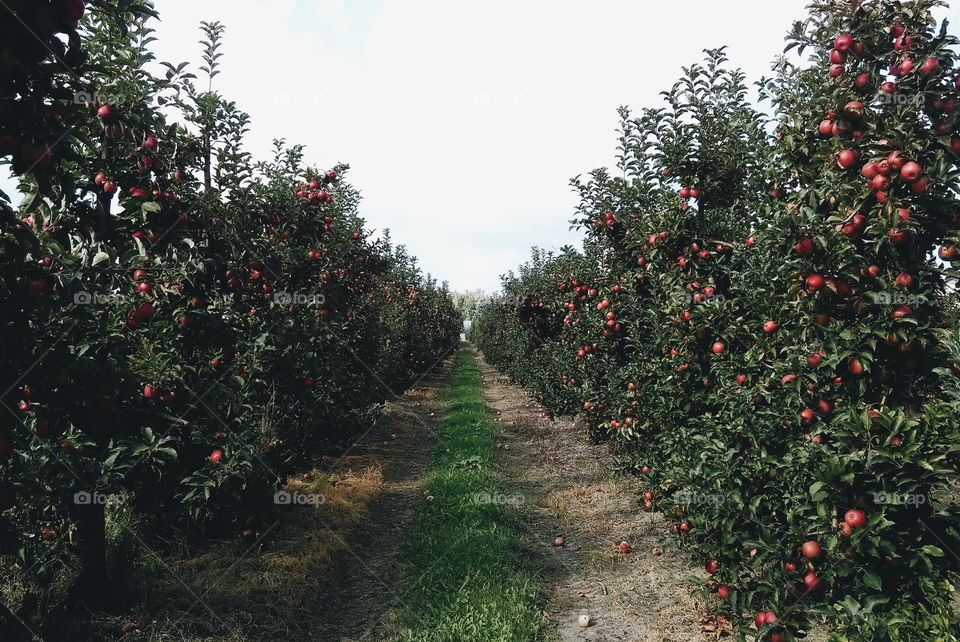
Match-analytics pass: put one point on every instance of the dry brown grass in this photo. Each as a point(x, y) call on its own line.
point(269, 577)
point(255, 588)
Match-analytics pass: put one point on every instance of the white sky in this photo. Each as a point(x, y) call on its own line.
point(462, 120)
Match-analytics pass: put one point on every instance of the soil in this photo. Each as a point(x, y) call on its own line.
point(366, 577)
point(569, 492)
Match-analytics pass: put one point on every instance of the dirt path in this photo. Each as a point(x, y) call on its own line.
point(568, 491)
point(365, 579)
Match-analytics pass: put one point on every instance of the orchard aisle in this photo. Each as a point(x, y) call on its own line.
point(366, 578)
point(568, 492)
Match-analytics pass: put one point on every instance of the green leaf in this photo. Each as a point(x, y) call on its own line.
point(872, 580)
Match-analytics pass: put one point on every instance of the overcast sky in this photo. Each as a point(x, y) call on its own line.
point(463, 121)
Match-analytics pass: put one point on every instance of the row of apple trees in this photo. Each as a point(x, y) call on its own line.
point(182, 327)
point(762, 321)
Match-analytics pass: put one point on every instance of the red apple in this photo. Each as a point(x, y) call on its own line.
point(931, 65)
point(814, 282)
point(848, 158)
point(811, 550)
point(901, 311)
point(843, 42)
point(216, 456)
point(855, 518)
point(903, 279)
point(911, 171)
point(107, 114)
point(854, 366)
point(804, 246)
point(879, 183)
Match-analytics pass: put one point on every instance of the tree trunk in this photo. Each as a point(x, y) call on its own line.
point(92, 542)
point(207, 163)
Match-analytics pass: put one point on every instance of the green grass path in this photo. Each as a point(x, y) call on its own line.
point(471, 578)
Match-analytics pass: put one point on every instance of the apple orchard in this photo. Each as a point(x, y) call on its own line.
point(183, 326)
point(765, 312)
point(761, 324)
